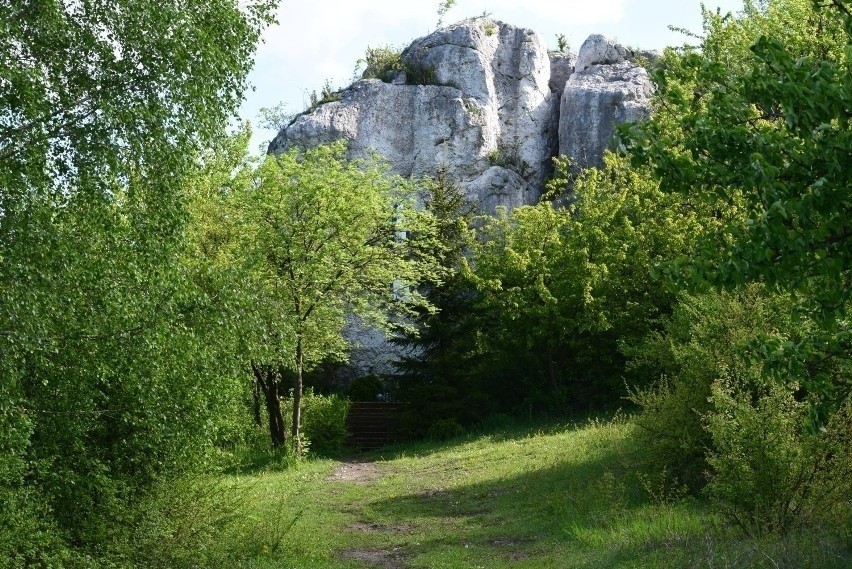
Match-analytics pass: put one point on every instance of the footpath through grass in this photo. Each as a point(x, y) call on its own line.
point(537, 498)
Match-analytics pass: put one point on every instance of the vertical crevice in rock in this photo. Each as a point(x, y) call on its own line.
point(606, 89)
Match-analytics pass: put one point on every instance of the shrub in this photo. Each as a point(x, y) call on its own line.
point(495, 422)
point(323, 421)
point(445, 429)
point(382, 62)
point(385, 63)
point(704, 340)
point(720, 418)
point(509, 159)
point(28, 538)
point(180, 523)
point(328, 95)
point(771, 473)
point(670, 432)
point(421, 74)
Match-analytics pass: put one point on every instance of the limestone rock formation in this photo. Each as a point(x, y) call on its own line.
point(487, 103)
point(605, 90)
point(561, 68)
point(491, 107)
point(598, 50)
point(371, 353)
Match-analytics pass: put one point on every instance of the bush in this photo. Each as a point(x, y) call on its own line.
point(323, 421)
point(421, 74)
point(28, 538)
point(381, 62)
point(444, 430)
point(704, 339)
point(328, 94)
point(720, 419)
point(385, 63)
point(670, 432)
point(496, 422)
point(179, 524)
point(771, 473)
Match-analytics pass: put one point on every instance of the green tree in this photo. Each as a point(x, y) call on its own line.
point(327, 237)
point(564, 291)
point(92, 90)
point(703, 340)
point(434, 378)
point(759, 116)
point(104, 336)
point(755, 389)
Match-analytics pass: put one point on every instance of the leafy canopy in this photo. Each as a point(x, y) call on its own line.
point(761, 116)
point(325, 240)
point(759, 119)
point(104, 334)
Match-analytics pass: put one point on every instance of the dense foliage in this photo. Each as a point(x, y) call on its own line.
point(434, 378)
point(326, 239)
point(113, 368)
point(159, 287)
point(540, 313)
point(760, 116)
point(707, 269)
point(757, 377)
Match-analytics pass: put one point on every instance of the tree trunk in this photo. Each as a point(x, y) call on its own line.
point(551, 370)
point(255, 401)
point(297, 393)
point(268, 380)
point(277, 431)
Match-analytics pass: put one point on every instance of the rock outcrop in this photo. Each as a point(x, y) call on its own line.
point(487, 103)
point(487, 115)
point(598, 50)
point(606, 89)
point(561, 67)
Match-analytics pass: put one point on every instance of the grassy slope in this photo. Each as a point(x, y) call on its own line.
point(563, 497)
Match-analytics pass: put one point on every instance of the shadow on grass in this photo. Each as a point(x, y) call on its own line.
point(590, 512)
point(520, 516)
point(515, 501)
point(593, 512)
point(502, 429)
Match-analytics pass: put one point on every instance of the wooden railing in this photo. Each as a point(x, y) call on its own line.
point(372, 425)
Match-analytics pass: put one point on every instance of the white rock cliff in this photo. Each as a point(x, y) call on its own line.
point(605, 90)
point(489, 116)
point(493, 107)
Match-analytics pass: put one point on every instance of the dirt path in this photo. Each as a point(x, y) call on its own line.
point(376, 557)
point(361, 472)
point(356, 471)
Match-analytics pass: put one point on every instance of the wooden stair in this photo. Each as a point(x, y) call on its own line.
point(372, 425)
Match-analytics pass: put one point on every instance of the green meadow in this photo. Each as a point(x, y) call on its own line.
point(565, 495)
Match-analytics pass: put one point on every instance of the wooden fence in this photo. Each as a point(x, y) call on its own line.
point(373, 425)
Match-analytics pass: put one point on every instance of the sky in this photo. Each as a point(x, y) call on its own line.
point(319, 41)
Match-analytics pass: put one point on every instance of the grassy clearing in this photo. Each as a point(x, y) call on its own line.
point(536, 498)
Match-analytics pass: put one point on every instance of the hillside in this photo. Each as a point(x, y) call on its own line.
point(558, 496)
